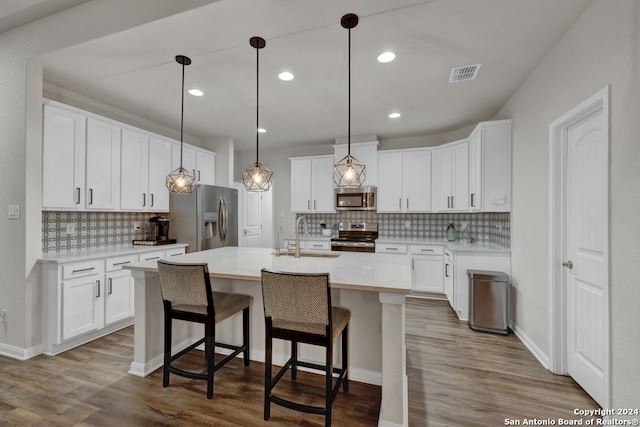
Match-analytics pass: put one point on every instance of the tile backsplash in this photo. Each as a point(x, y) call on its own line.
point(486, 227)
point(91, 229)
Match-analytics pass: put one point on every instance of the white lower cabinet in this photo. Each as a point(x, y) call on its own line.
point(308, 244)
point(84, 300)
point(448, 276)
point(426, 268)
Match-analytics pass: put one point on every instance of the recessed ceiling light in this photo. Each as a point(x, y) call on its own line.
point(386, 57)
point(394, 115)
point(196, 92)
point(286, 76)
point(262, 130)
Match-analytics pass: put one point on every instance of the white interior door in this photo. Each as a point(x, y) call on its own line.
point(251, 219)
point(580, 246)
point(587, 205)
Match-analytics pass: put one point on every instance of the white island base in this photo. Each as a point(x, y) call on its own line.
point(372, 286)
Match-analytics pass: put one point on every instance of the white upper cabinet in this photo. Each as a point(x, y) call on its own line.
point(490, 167)
point(94, 164)
point(451, 177)
point(146, 161)
point(199, 161)
point(404, 180)
point(366, 153)
point(63, 165)
point(312, 188)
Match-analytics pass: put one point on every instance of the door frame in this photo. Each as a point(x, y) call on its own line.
point(557, 231)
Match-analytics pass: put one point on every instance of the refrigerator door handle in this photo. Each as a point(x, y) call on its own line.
point(225, 216)
point(220, 220)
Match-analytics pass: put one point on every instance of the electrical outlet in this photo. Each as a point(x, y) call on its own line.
point(407, 225)
point(14, 211)
point(70, 229)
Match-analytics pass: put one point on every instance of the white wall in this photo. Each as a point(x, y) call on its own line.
point(600, 49)
point(20, 142)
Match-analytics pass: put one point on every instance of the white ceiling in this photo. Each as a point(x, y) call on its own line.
point(135, 70)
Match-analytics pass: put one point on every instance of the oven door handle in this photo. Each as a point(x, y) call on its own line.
point(353, 244)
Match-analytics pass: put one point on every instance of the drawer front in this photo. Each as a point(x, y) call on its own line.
point(148, 256)
point(175, 252)
point(313, 245)
point(81, 269)
point(391, 248)
point(427, 250)
point(116, 263)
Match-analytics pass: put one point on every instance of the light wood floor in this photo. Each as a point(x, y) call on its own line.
point(457, 377)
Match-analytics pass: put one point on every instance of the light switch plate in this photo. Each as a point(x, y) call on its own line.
point(14, 211)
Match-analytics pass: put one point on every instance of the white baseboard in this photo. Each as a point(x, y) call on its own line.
point(533, 348)
point(20, 353)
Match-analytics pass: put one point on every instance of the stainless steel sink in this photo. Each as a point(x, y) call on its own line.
point(317, 254)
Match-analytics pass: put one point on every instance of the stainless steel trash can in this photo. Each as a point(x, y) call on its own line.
point(488, 301)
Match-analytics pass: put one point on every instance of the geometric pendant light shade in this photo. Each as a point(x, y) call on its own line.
point(258, 177)
point(349, 171)
point(181, 181)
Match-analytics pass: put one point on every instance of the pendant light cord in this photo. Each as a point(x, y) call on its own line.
point(349, 97)
point(257, 101)
point(182, 116)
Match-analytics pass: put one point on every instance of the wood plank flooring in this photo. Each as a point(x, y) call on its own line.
point(457, 377)
point(460, 377)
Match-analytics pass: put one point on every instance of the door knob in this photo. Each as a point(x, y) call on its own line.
point(568, 264)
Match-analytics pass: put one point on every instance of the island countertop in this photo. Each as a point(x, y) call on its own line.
point(347, 270)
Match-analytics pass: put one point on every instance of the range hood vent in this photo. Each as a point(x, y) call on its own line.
point(467, 72)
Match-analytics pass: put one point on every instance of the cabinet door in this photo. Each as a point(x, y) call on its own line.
point(449, 271)
point(63, 167)
point(426, 273)
point(442, 173)
point(475, 171)
point(119, 296)
point(134, 170)
point(416, 185)
point(460, 177)
point(82, 306)
point(188, 157)
point(389, 182)
point(322, 185)
point(103, 165)
point(205, 167)
point(301, 185)
point(159, 167)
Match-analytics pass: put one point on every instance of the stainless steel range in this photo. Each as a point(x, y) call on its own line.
point(355, 237)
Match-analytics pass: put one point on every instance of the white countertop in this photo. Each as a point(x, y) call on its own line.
point(350, 270)
point(105, 251)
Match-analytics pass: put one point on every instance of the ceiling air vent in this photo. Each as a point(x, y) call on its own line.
point(467, 72)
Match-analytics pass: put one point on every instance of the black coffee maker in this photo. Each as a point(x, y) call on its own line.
point(159, 228)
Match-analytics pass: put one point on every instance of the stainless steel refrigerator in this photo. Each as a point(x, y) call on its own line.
point(207, 218)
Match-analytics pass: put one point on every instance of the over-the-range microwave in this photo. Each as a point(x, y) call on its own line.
point(356, 199)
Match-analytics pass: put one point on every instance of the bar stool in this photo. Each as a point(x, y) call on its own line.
point(187, 295)
point(297, 308)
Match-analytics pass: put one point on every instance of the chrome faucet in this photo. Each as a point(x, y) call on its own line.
point(278, 233)
point(306, 231)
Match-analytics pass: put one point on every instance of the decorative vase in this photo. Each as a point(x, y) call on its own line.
point(451, 233)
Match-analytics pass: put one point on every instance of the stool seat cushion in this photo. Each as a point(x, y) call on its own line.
point(339, 318)
point(226, 305)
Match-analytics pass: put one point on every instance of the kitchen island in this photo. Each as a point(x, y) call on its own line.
point(372, 286)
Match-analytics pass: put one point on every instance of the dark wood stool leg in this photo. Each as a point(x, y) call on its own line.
point(167, 344)
point(328, 385)
point(267, 371)
point(245, 336)
point(209, 346)
point(345, 357)
point(294, 360)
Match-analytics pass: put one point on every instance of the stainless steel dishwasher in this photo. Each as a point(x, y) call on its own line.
point(489, 301)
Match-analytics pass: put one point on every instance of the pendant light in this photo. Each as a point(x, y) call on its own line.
point(258, 177)
point(180, 181)
point(349, 171)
